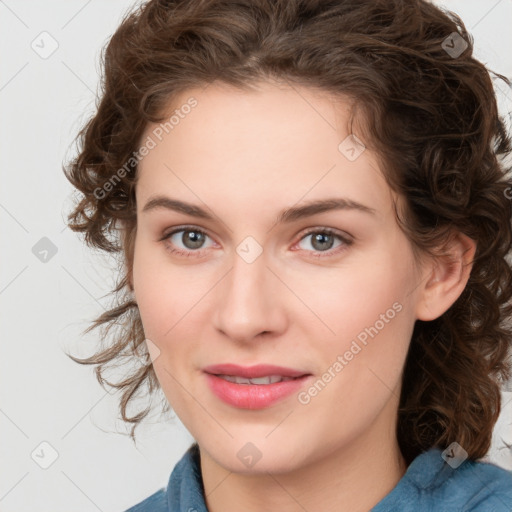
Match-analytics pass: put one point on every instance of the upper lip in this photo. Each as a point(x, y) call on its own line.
point(249, 372)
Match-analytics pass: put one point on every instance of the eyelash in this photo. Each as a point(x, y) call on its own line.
point(346, 242)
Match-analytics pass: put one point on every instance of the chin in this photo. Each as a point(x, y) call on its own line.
point(258, 456)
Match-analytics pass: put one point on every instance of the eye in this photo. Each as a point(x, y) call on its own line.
point(188, 241)
point(322, 240)
point(191, 239)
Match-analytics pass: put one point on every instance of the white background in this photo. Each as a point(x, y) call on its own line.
point(44, 396)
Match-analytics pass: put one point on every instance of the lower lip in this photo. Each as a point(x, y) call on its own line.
point(253, 396)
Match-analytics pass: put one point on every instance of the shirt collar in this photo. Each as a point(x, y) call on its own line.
point(185, 491)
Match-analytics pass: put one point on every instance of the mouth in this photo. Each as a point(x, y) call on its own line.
point(255, 372)
point(260, 386)
point(260, 381)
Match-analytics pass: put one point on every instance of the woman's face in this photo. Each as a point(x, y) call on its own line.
point(256, 280)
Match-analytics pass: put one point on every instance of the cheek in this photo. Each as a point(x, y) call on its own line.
point(158, 290)
point(146, 293)
point(368, 314)
point(377, 335)
point(347, 300)
point(164, 299)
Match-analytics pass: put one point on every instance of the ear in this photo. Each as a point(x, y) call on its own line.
point(129, 275)
point(446, 277)
point(128, 235)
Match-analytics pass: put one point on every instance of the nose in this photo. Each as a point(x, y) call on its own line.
point(251, 301)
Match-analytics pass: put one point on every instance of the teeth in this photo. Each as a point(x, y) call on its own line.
point(271, 379)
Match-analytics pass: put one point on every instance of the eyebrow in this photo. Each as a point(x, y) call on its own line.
point(285, 216)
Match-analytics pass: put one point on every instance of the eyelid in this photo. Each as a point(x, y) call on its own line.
point(346, 240)
point(186, 252)
point(344, 237)
point(324, 229)
point(186, 227)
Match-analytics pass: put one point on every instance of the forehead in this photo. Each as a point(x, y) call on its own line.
point(276, 143)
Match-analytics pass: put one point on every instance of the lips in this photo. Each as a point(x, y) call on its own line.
point(271, 379)
point(254, 396)
point(254, 387)
point(254, 372)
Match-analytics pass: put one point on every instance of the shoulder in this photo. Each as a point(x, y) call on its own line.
point(473, 486)
point(155, 503)
point(430, 483)
point(184, 489)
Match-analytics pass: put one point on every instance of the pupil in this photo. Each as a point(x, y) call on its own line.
point(193, 240)
point(321, 237)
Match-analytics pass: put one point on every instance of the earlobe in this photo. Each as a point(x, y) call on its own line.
point(131, 287)
point(446, 278)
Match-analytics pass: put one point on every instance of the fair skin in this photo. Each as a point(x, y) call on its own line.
point(245, 156)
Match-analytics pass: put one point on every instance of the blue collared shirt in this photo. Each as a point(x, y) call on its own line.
point(429, 484)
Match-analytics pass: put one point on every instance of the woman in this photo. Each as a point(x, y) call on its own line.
point(313, 216)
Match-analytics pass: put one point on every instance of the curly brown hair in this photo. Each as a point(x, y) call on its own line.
point(430, 114)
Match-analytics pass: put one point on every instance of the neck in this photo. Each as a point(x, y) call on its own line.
point(352, 478)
